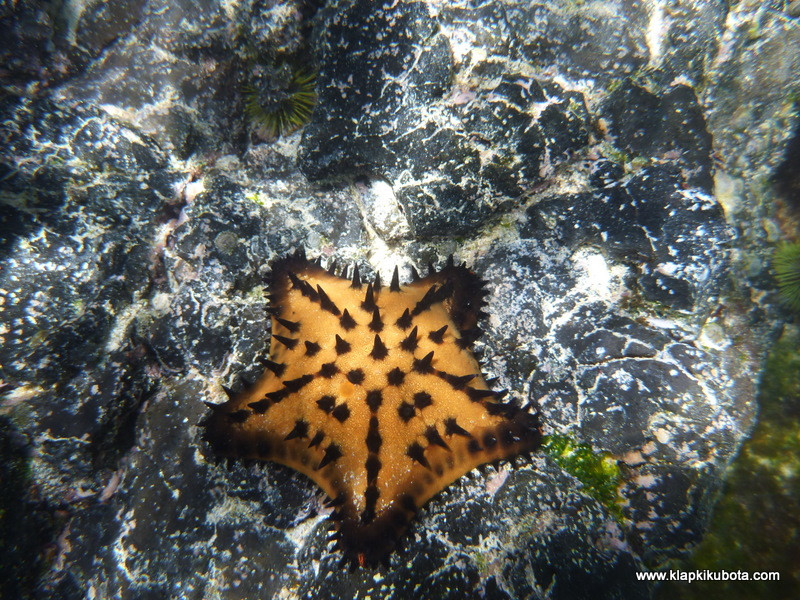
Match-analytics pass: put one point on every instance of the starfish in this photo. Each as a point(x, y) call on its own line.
point(374, 393)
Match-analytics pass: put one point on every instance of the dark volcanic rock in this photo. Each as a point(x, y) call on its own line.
point(631, 387)
point(595, 39)
point(676, 237)
point(452, 160)
point(25, 524)
point(627, 387)
point(27, 29)
point(74, 270)
point(66, 286)
point(644, 123)
point(100, 23)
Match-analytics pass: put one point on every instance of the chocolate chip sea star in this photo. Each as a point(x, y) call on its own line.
point(374, 393)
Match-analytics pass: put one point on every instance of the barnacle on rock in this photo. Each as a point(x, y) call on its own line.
point(280, 100)
point(786, 266)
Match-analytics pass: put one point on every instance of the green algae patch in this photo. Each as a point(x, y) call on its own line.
point(756, 523)
point(597, 471)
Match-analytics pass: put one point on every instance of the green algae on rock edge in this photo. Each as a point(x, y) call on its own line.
point(597, 471)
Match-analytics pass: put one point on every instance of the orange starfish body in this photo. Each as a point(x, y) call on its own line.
point(374, 393)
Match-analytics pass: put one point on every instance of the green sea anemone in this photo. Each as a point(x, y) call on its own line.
point(786, 266)
point(280, 100)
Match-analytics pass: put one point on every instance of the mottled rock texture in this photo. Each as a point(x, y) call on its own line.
point(483, 135)
point(602, 164)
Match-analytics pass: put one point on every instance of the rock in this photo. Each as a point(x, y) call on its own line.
point(27, 28)
point(452, 160)
point(24, 522)
point(650, 221)
point(644, 123)
point(201, 322)
point(628, 387)
point(748, 82)
point(65, 288)
point(76, 269)
point(591, 40)
point(99, 24)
